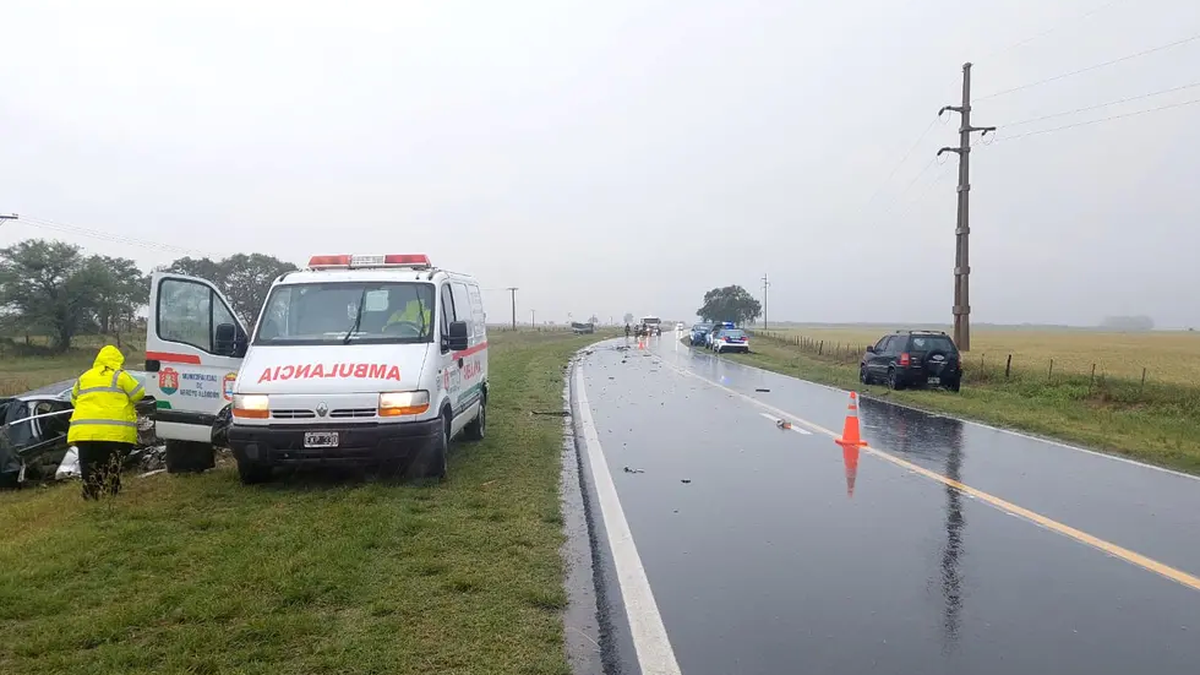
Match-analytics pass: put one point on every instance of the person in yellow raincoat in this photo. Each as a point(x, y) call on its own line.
point(414, 312)
point(104, 423)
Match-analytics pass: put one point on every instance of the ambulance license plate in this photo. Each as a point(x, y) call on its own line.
point(320, 439)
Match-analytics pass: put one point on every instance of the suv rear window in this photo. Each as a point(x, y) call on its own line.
point(931, 343)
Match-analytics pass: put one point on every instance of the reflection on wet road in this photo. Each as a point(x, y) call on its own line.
point(770, 551)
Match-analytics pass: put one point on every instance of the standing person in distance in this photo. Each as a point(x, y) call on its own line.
point(104, 423)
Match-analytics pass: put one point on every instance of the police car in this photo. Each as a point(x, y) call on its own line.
point(727, 337)
point(357, 359)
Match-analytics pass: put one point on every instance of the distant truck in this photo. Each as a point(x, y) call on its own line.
point(651, 325)
point(582, 328)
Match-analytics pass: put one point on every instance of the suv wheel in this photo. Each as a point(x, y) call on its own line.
point(863, 376)
point(893, 380)
point(954, 385)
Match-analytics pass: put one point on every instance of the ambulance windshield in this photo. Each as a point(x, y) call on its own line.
point(334, 313)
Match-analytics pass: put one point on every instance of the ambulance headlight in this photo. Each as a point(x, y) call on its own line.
point(396, 403)
point(251, 406)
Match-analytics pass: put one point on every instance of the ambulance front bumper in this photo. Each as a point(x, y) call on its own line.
point(357, 444)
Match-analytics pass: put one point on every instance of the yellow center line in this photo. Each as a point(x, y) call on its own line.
point(1132, 557)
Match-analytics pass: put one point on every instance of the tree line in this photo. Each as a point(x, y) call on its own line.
point(57, 289)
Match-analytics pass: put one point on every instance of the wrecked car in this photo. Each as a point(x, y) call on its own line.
point(33, 438)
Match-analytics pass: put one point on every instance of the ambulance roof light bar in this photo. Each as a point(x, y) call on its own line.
point(368, 261)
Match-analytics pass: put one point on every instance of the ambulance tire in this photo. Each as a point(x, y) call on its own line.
point(253, 473)
point(189, 456)
point(431, 463)
point(477, 429)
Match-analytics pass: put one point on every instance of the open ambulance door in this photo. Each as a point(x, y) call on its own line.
point(194, 348)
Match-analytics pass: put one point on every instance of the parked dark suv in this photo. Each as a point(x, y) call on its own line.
point(913, 357)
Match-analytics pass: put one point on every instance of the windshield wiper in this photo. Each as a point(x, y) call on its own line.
point(357, 318)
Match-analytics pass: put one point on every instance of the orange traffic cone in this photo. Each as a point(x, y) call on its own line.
point(850, 459)
point(850, 435)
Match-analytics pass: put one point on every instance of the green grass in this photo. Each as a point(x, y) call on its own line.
point(1158, 423)
point(24, 367)
point(199, 574)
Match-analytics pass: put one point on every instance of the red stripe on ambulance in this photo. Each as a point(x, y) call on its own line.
point(469, 352)
point(310, 371)
point(169, 357)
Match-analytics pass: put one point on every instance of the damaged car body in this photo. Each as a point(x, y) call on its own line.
point(33, 439)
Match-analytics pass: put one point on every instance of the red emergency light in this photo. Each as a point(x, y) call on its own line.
point(368, 261)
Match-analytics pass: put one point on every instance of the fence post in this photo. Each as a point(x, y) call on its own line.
point(821, 348)
point(1008, 366)
point(1143, 379)
point(1050, 376)
point(1092, 381)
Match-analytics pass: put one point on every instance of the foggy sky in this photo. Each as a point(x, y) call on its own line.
point(625, 155)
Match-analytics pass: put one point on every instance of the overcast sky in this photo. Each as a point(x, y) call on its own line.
point(625, 155)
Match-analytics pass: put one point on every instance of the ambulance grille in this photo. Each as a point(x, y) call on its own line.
point(292, 414)
point(352, 412)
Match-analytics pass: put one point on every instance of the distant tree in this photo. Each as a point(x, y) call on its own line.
point(730, 303)
point(593, 319)
point(51, 287)
point(628, 317)
point(122, 289)
point(243, 279)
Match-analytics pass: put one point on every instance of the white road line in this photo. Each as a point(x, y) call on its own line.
point(654, 653)
point(1129, 556)
point(776, 420)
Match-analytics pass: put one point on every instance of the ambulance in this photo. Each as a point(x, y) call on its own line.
point(356, 359)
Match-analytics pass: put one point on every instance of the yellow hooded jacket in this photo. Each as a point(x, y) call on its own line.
point(103, 398)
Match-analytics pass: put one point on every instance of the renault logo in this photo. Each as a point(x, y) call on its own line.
point(322, 409)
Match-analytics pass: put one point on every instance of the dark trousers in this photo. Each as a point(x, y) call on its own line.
point(100, 466)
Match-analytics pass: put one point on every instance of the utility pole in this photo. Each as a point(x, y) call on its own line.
point(962, 230)
point(532, 316)
point(513, 290)
point(766, 284)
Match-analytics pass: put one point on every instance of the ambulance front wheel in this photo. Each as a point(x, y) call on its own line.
point(431, 462)
point(189, 456)
point(252, 473)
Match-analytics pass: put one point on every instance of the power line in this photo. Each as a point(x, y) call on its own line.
point(1098, 121)
point(899, 164)
point(45, 223)
point(1139, 97)
point(1051, 29)
point(1090, 68)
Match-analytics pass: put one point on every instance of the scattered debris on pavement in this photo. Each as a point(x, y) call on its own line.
point(764, 390)
point(685, 481)
point(631, 470)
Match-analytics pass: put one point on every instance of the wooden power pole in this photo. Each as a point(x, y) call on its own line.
point(962, 230)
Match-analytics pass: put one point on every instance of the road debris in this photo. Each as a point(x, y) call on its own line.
point(632, 470)
point(554, 413)
point(685, 481)
point(764, 390)
point(783, 424)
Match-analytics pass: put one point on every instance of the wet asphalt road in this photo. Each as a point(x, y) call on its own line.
point(782, 553)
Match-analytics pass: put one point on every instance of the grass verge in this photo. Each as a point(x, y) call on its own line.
point(1159, 424)
point(199, 574)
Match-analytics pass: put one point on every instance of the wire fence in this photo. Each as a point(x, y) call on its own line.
point(1022, 372)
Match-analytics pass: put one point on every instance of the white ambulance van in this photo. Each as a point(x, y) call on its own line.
point(357, 359)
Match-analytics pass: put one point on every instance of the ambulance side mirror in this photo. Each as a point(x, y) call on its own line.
point(456, 336)
point(226, 341)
